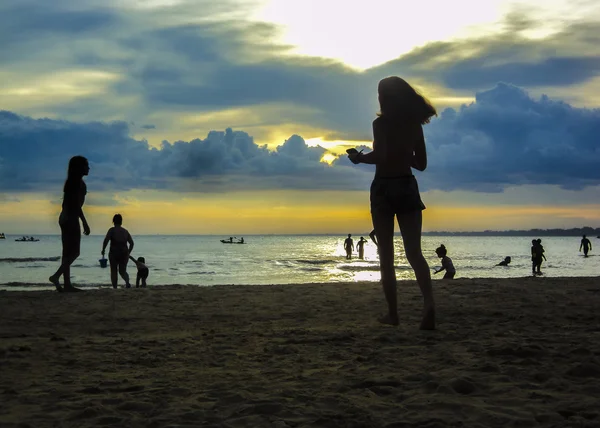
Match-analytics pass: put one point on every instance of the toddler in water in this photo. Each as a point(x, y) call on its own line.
point(446, 263)
point(142, 273)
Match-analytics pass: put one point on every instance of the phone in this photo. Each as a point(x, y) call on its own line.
point(351, 151)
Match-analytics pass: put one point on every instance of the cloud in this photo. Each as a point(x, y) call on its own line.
point(568, 57)
point(505, 138)
point(34, 155)
point(170, 59)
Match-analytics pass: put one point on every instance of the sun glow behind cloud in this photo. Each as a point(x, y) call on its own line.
point(365, 34)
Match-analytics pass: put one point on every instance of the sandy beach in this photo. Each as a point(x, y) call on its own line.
point(507, 353)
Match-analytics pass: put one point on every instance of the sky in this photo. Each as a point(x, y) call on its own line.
point(233, 116)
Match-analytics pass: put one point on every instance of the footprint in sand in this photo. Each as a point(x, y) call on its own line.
point(136, 406)
point(87, 413)
point(462, 386)
point(585, 370)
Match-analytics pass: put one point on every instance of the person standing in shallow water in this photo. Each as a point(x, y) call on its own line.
point(72, 211)
point(537, 256)
point(398, 146)
point(118, 255)
point(349, 246)
point(360, 246)
point(542, 256)
point(586, 245)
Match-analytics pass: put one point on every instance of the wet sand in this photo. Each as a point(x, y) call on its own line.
point(507, 353)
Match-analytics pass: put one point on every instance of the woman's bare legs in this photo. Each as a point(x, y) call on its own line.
point(113, 270)
point(124, 274)
point(410, 227)
point(71, 240)
point(64, 270)
point(383, 223)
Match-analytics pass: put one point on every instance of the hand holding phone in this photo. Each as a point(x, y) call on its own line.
point(353, 155)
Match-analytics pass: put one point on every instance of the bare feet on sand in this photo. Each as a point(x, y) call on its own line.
point(71, 289)
point(428, 321)
point(54, 280)
point(388, 319)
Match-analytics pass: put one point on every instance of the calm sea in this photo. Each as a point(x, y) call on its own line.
point(270, 259)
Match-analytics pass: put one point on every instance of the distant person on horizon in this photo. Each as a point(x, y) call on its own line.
point(447, 264)
point(349, 246)
point(72, 211)
point(505, 262)
point(586, 245)
point(360, 246)
point(118, 255)
point(398, 146)
point(142, 271)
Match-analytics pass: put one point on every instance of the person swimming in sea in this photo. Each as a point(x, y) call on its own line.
point(505, 262)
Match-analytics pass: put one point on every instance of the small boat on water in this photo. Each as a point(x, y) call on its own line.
point(27, 239)
point(231, 241)
point(2, 236)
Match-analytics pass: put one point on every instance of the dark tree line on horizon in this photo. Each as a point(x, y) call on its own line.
point(578, 231)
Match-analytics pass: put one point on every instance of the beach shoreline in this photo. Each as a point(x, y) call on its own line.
point(507, 352)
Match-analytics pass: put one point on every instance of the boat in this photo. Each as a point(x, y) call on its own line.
point(27, 239)
point(2, 236)
point(225, 241)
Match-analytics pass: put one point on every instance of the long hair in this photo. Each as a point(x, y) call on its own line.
point(75, 172)
point(399, 100)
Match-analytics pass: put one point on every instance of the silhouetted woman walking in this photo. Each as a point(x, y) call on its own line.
point(398, 146)
point(73, 200)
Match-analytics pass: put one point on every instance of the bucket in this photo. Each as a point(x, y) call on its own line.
point(103, 262)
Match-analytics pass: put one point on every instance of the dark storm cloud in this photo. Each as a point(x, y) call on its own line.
point(505, 138)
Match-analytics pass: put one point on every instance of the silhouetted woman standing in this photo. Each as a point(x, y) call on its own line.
point(73, 200)
point(398, 146)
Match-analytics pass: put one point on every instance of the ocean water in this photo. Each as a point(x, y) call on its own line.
point(270, 259)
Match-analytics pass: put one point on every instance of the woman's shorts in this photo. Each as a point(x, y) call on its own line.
point(118, 256)
point(393, 196)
